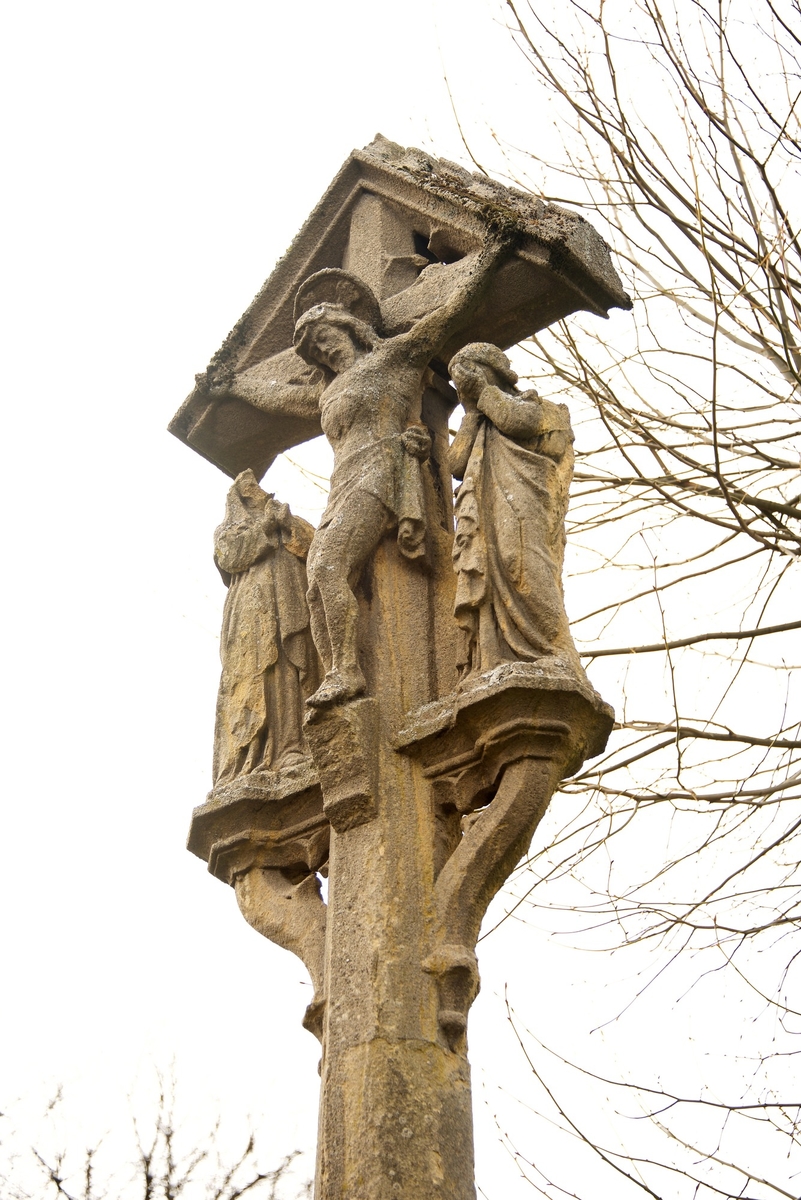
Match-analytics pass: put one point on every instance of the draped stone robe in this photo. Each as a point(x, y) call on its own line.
point(516, 459)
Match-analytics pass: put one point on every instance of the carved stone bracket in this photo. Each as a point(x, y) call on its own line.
point(281, 813)
point(267, 836)
point(494, 752)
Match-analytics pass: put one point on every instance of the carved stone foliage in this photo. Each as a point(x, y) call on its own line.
point(269, 664)
point(514, 455)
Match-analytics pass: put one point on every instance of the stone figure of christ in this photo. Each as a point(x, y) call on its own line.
point(372, 388)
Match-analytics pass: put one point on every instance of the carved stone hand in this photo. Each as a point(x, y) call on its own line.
point(417, 442)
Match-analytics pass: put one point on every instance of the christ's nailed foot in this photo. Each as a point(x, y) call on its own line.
point(337, 688)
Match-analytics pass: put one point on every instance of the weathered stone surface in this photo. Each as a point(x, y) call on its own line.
point(451, 724)
point(343, 741)
point(289, 910)
point(453, 702)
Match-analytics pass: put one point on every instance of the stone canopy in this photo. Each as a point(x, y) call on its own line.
point(403, 222)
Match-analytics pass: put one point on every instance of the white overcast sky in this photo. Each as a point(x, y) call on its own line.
point(159, 157)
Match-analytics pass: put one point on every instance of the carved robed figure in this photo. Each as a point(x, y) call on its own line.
point(269, 664)
point(514, 455)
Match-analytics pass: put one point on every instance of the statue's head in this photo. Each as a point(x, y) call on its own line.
point(488, 359)
point(336, 314)
point(246, 490)
point(328, 335)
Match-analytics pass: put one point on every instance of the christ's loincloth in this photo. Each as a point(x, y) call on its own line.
point(389, 472)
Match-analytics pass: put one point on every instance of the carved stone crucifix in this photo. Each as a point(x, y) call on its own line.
point(398, 714)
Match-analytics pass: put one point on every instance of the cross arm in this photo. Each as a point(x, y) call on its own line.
point(244, 419)
point(282, 385)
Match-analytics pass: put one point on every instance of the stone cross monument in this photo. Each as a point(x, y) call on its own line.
point(400, 694)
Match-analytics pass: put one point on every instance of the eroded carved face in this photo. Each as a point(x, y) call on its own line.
point(332, 346)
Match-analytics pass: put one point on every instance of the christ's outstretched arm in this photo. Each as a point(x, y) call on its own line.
point(427, 335)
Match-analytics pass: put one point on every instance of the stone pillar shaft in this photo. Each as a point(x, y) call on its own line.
point(395, 1114)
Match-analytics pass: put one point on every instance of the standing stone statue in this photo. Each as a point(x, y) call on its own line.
point(269, 663)
point(514, 455)
point(373, 385)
